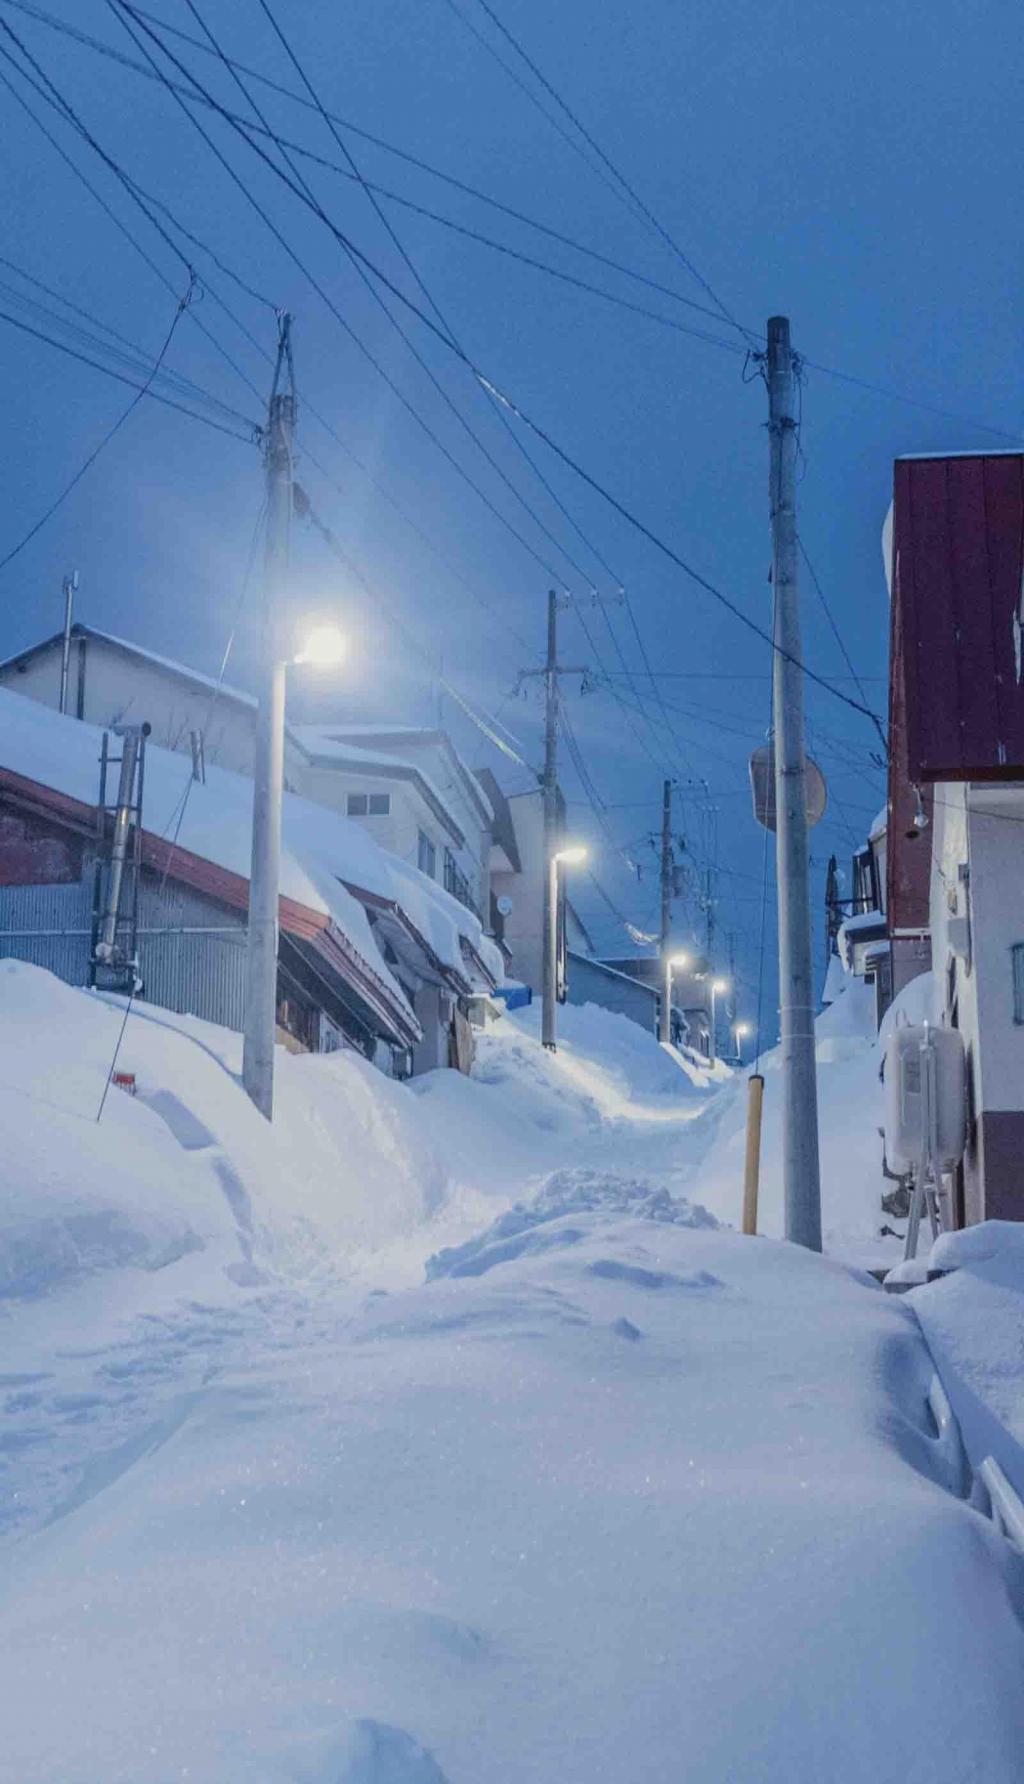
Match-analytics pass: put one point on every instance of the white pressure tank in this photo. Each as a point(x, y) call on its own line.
point(904, 1069)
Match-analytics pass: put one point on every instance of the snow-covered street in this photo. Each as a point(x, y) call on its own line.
point(358, 1462)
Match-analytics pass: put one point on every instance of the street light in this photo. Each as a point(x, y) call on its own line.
point(674, 963)
point(324, 648)
point(740, 1030)
point(572, 856)
point(717, 986)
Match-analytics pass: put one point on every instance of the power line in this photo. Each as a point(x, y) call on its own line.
point(839, 640)
point(108, 436)
point(121, 6)
point(379, 142)
point(130, 354)
point(620, 178)
point(120, 377)
point(445, 323)
point(42, 17)
point(119, 224)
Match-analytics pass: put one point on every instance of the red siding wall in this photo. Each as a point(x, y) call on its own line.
point(957, 643)
point(35, 853)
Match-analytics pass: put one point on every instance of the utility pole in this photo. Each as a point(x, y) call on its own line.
point(549, 783)
point(268, 765)
point(549, 967)
point(667, 864)
point(796, 994)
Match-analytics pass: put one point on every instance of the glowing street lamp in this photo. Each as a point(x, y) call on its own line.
point(740, 1030)
point(324, 648)
point(717, 987)
point(674, 963)
point(573, 856)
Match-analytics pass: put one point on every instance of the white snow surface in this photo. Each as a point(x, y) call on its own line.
point(439, 1435)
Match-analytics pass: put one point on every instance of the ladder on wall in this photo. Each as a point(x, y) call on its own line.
point(113, 947)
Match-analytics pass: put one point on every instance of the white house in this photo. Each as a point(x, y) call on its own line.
point(518, 872)
point(415, 794)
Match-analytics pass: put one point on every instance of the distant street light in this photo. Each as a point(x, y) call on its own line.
point(675, 963)
point(573, 856)
point(740, 1030)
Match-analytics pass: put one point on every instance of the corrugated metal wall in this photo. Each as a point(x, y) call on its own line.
point(196, 975)
point(958, 530)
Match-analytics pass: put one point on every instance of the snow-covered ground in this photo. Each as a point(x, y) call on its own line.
point(442, 1435)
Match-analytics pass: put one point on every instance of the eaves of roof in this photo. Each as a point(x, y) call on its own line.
point(232, 889)
point(381, 906)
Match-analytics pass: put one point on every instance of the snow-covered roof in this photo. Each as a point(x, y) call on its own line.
point(322, 852)
point(226, 691)
point(322, 746)
point(415, 735)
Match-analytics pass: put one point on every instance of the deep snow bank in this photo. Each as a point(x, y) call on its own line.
point(355, 1165)
point(188, 1163)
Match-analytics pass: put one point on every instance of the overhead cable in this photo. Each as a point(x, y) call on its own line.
point(143, 390)
point(621, 181)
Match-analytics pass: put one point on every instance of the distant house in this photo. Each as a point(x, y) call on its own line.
point(691, 1000)
point(518, 875)
point(335, 987)
point(595, 981)
point(415, 794)
point(955, 830)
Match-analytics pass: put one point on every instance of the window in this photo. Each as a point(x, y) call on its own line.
point(356, 805)
point(426, 856)
point(380, 805)
point(1017, 957)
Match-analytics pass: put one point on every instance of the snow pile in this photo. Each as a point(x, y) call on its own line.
point(355, 1165)
point(849, 1056)
point(525, 1524)
point(973, 1320)
point(188, 1163)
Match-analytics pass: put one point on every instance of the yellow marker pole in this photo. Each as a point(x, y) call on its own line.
point(752, 1164)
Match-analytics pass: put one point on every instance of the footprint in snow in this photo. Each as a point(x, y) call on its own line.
point(614, 1271)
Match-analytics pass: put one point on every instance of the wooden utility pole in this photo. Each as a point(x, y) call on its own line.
point(667, 865)
point(796, 991)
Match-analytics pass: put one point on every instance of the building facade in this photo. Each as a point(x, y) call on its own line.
point(955, 843)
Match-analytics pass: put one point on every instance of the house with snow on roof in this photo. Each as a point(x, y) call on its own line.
point(407, 790)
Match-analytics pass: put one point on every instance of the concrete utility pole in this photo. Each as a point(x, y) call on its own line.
point(268, 764)
point(549, 983)
point(549, 782)
point(796, 986)
point(667, 865)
